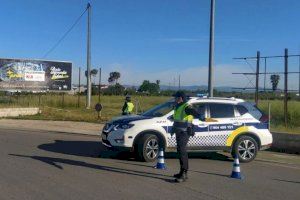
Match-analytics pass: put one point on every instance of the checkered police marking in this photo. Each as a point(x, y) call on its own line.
point(211, 140)
point(215, 137)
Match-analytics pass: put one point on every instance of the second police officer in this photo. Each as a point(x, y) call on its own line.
point(128, 106)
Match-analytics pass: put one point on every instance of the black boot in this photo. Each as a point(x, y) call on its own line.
point(181, 177)
point(180, 174)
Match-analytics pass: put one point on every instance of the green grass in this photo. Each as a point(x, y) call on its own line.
point(59, 107)
point(277, 117)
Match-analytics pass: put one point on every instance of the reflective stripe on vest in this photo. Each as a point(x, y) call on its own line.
point(129, 107)
point(181, 116)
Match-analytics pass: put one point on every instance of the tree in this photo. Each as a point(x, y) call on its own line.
point(275, 80)
point(116, 89)
point(114, 77)
point(147, 86)
point(130, 91)
point(94, 72)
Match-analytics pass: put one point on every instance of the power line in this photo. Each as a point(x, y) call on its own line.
point(250, 65)
point(64, 35)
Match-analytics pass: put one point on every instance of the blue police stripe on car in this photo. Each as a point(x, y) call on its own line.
point(221, 127)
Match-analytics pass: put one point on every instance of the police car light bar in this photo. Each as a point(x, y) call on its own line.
point(202, 95)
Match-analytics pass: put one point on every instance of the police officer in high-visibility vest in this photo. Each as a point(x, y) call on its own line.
point(128, 106)
point(183, 128)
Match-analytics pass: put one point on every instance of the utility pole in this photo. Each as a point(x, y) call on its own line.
point(89, 86)
point(174, 83)
point(257, 77)
point(285, 86)
point(211, 50)
point(79, 85)
point(179, 86)
point(265, 75)
point(99, 87)
point(299, 79)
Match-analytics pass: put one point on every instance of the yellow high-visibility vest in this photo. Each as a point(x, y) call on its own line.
point(129, 108)
point(180, 115)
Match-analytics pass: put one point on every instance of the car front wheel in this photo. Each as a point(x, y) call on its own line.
point(148, 148)
point(245, 148)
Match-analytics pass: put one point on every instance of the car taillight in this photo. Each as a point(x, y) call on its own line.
point(264, 119)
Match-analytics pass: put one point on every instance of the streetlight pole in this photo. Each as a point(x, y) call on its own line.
point(89, 86)
point(211, 50)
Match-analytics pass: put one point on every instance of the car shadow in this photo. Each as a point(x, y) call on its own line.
point(97, 149)
point(59, 162)
point(84, 149)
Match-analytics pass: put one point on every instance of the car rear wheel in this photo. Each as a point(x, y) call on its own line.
point(148, 148)
point(245, 148)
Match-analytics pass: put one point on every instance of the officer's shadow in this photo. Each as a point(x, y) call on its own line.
point(58, 163)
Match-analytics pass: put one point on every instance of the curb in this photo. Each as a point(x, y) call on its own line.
point(52, 131)
point(67, 127)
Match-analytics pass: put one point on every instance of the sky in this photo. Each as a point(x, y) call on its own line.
point(157, 39)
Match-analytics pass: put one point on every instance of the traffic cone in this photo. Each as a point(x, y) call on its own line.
point(236, 171)
point(160, 160)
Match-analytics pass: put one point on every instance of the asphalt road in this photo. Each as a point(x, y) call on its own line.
point(44, 165)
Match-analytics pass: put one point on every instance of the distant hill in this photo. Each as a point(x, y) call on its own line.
point(190, 88)
point(195, 87)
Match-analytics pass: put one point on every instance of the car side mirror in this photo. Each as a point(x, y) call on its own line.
point(171, 118)
point(202, 118)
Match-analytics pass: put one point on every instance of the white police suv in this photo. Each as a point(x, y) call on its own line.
point(226, 124)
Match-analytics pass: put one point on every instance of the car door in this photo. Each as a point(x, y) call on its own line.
point(201, 128)
point(221, 122)
point(198, 141)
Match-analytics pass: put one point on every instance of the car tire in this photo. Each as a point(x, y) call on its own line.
point(147, 148)
point(245, 147)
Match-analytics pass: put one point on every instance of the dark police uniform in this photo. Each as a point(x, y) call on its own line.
point(183, 128)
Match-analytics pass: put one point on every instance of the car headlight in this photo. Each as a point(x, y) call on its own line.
point(126, 126)
point(123, 126)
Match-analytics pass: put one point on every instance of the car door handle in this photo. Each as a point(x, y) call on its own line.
point(237, 123)
point(202, 125)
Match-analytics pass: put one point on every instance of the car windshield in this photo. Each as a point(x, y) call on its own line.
point(159, 110)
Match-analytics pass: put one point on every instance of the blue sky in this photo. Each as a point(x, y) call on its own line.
point(157, 39)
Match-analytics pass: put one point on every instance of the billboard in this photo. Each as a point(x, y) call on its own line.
point(21, 74)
